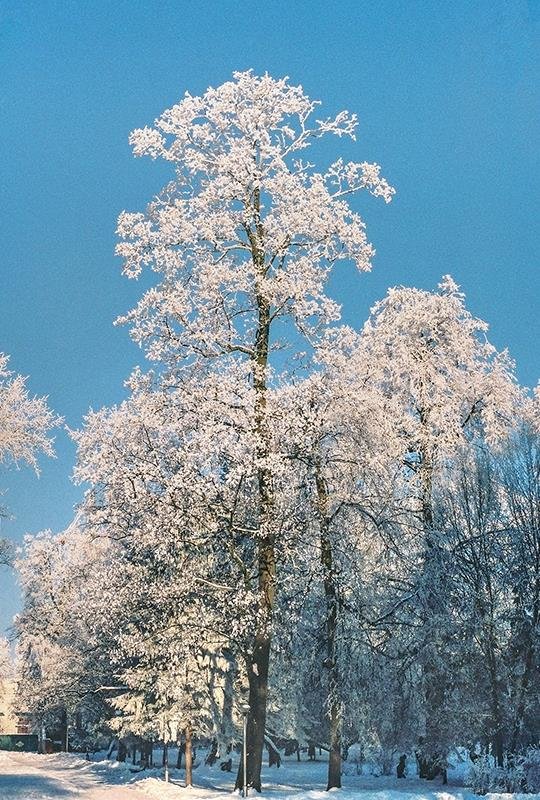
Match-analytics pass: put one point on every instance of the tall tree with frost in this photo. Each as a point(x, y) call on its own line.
point(474, 534)
point(520, 481)
point(341, 433)
point(243, 238)
point(167, 476)
point(428, 352)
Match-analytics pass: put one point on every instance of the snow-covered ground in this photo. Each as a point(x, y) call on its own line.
point(25, 776)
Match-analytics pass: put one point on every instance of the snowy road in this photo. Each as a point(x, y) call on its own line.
point(23, 777)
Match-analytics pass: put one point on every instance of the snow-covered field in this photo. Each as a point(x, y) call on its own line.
point(25, 776)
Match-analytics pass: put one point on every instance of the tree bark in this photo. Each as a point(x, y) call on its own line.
point(434, 679)
point(166, 761)
point(258, 661)
point(496, 716)
point(122, 751)
point(331, 631)
point(65, 731)
point(529, 664)
point(189, 757)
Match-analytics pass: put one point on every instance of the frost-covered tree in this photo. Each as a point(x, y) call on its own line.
point(243, 239)
point(341, 433)
point(474, 538)
point(169, 500)
point(431, 355)
point(25, 421)
point(519, 476)
point(25, 425)
point(65, 629)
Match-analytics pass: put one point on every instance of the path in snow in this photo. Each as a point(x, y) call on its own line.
point(25, 776)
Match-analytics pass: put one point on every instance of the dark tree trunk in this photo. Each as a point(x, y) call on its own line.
point(211, 758)
point(496, 716)
point(435, 689)
point(122, 751)
point(274, 756)
point(528, 670)
point(331, 631)
point(166, 761)
point(334, 758)
point(256, 721)
point(65, 731)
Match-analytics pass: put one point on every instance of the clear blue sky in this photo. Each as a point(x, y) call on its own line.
point(447, 95)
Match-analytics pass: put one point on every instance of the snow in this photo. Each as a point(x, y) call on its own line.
point(25, 776)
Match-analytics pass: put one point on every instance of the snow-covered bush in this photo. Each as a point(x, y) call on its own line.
point(530, 765)
point(355, 757)
point(486, 776)
point(518, 773)
point(380, 758)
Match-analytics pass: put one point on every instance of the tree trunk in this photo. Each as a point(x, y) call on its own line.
point(65, 731)
point(189, 757)
point(496, 716)
point(435, 688)
point(258, 661)
point(166, 761)
point(334, 758)
point(256, 721)
point(122, 751)
point(528, 670)
point(331, 631)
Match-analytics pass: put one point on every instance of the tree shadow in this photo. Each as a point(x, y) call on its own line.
point(23, 787)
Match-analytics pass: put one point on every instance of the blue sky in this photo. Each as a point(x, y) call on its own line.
point(447, 96)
